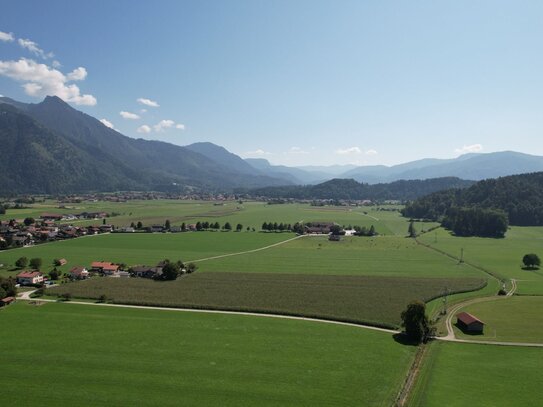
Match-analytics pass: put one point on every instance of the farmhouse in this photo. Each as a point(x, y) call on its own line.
point(146, 271)
point(29, 277)
point(79, 273)
point(62, 262)
point(318, 227)
point(469, 323)
point(103, 267)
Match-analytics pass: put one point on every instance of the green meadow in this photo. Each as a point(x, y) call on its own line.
point(143, 248)
point(455, 374)
point(376, 256)
point(515, 319)
point(502, 257)
point(82, 355)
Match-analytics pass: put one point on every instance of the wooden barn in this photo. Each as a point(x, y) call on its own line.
point(469, 323)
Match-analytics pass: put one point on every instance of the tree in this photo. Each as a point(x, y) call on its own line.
point(104, 221)
point(227, 226)
point(132, 225)
point(183, 227)
point(415, 321)
point(167, 224)
point(35, 263)
point(199, 226)
point(170, 271)
point(3, 293)
point(411, 231)
point(372, 231)
point(21, 262)
point(102, 298)
point(8, 285)
point(335, 230)
point(191, 268)
point(239, 227)
point(28, 221)
point(531, 261)
point(54, 274)
point(139, 225)
point(265, 226)
point(2, 209)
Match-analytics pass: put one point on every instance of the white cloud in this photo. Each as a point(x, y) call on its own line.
point(143, 110)
point(129, 116)
point(6, 37)
point(147, 102)
point(258, 152)
point(34, 48)
point(371, 151)
point(473, 148)
point(107, 123)
point(56, 64)
point(296, 150)
point(144, 129)
point(163, 124)
point(349, 150)
point(41, 80)
point(180, 126)
point(77, 74)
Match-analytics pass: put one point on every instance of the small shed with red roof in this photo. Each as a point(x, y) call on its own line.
point(469, 323)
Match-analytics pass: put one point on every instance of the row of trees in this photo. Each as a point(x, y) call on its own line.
point(2, 209)
point(276, 227)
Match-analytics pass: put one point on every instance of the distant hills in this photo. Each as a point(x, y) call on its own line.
point(350, 189)
point(519, 196)
point(50, 147)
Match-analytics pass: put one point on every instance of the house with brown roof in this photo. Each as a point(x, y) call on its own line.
point(29, 278)
point(104, 267)
point(469, 323)
point(6, 301)
point(79, 273)
point(51, 216)
point(146, 271)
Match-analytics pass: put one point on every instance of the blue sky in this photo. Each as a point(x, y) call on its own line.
point(296, 82)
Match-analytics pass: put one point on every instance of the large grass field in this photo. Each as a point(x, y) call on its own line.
point(480, 375)
point(378, 256)
point(501, 256)
point(370, 300)
point(143, 248)
point(515, 319)
point(82, 355)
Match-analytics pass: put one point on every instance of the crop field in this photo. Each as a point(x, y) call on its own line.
point(501, 256)
point(378, 256)
point(83, 355)
point(515, 319)
point(143, 248)
point(482, 375)
point(371, 300)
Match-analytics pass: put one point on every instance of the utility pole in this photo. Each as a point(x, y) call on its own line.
point(445, 293)
point(461, 255)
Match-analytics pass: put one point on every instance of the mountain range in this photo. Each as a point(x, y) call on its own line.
point(50, 147)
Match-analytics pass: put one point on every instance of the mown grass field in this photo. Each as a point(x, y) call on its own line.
point(142, 248)
point(501, 256)
point(479, 375)
point(378, 256)
point(515, 319)
point(371, 300)
point(82, 355)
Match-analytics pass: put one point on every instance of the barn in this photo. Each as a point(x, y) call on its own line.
point(469, 323)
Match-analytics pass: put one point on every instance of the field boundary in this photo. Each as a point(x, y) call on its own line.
point(219, 311)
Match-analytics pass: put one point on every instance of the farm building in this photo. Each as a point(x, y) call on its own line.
point(469, 323)
point(6, 301)
point(29, 277)
point(62, 262)
point(146, 271)
point(79, 273)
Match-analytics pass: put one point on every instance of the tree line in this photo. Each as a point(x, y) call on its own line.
point(518, 197)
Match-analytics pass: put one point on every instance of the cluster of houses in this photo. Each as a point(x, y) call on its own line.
point(16, 233)
point(101, 268)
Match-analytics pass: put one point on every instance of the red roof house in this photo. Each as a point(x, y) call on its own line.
point(29, 277)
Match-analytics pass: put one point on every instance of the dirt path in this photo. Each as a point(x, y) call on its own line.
point(247, 251)
point(410, 379)
point(205, 311)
